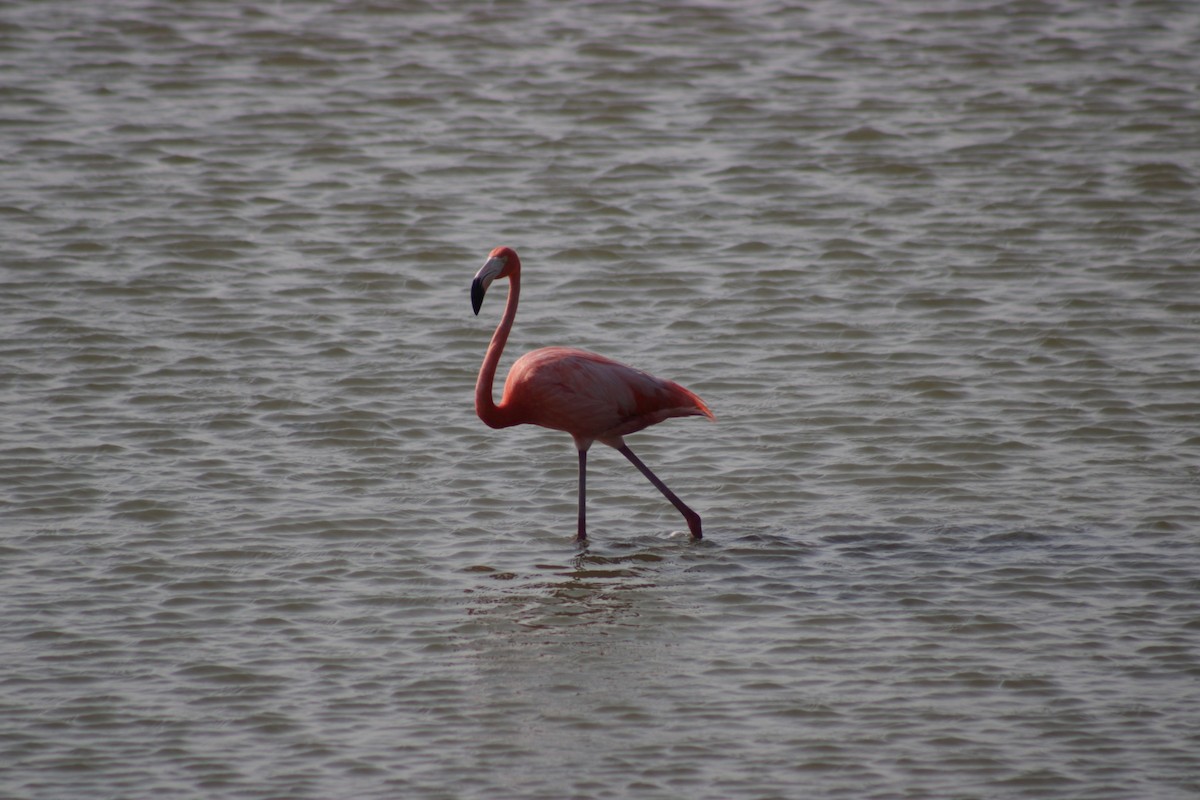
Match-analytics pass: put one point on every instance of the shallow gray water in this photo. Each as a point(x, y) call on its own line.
point(934, 266)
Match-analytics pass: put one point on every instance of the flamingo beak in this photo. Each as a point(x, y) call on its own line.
point(483, 279)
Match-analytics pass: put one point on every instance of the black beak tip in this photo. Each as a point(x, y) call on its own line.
point(477, 292)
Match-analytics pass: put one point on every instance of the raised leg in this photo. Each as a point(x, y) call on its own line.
point(581, 536)
point(693, 519)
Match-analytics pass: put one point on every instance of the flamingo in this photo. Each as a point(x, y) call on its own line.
point(593, 398)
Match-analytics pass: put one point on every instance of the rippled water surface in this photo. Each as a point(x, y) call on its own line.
point(934, 266)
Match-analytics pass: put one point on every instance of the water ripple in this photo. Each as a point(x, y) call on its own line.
point(933, 270)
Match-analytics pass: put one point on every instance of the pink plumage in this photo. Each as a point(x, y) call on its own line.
point(589, 396)
point(592, 397)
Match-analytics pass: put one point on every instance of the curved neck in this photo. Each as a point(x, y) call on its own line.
point(493, 415)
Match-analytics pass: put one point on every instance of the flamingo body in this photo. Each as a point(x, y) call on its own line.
point(592, 397)
point(589, 396)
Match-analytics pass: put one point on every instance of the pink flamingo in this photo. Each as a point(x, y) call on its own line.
point(593, 398)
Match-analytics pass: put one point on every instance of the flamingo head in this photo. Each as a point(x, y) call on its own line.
point(502, 262)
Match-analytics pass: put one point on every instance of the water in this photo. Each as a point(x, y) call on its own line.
point(934, 268)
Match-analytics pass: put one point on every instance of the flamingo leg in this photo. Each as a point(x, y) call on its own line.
point(692, 518)
point(581, 536)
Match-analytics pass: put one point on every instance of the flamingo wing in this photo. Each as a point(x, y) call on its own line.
point(593, 397)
